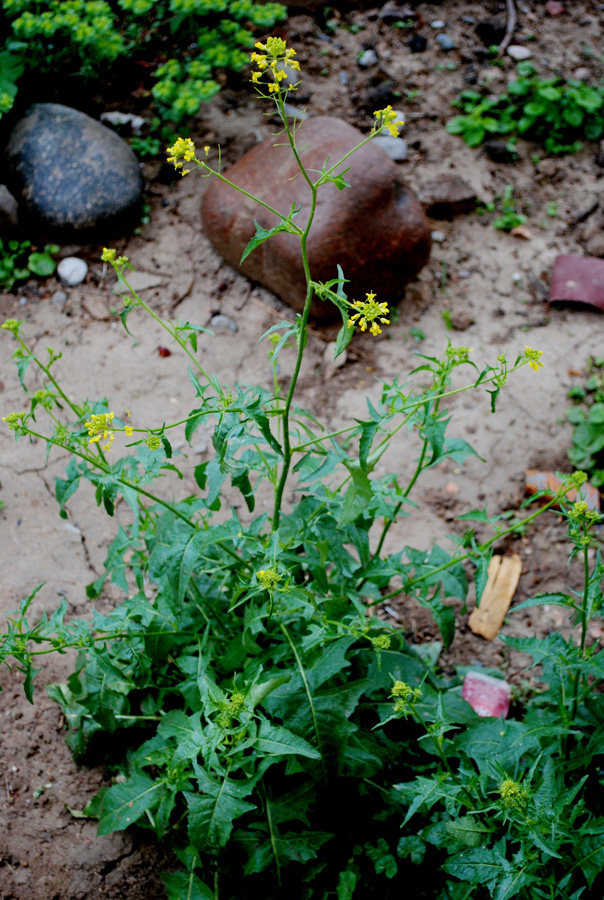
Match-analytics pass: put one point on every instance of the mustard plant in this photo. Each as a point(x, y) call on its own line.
point(266, 725)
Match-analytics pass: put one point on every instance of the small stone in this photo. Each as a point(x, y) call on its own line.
point(445, 42)
point(585, 206)
point(437, 23)
point(582, 74)
point(518, 53)
point(22, 301)
point(447, 196)
point(72, 270)
point(96, 307)
point(522, 232)
point(367, 59)
point(343, 77)
point(395, 148)
point(292, 112)
point(136, 123)
point(221, 324)
point(439, 237)
point(553, 8)
point(595, 245)
point(417, 43)
point(468, 20)
point(464, 273)
point(461, 319)
point(59, 298)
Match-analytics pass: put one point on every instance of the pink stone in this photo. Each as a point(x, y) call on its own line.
point(554, 8)
point(486, 695)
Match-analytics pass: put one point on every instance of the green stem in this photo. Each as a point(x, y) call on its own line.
point(481, 548)
point(75, 409)
point(577, 677)
point(302, 338)
point(167, 326)
point(308, 694)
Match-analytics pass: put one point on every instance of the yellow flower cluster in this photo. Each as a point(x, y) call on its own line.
point(12, 325)
point(15, 421)
point(268, 579)
point(275, 58)
point(182, 149)
point(512, 793)
point(368, 312)
point(405, 697)
point(100, 426)
point(381, 642)
point(108, 255)
point(389, 119)
point(533, 357)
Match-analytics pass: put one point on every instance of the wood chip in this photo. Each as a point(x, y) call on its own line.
point(503, 577)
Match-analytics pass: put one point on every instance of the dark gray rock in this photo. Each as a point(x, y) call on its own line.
point(70, 174)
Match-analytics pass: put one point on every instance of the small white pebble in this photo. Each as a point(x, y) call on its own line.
point(72, 270)
point(439, 237)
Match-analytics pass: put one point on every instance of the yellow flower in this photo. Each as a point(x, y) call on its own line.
point(182, 149)
point(369, 313)
point(100, 426)
point(389, 119)
point(108, 255)
point(268, 578)
point(129, 430)
point(275, 56)
point(533, 357)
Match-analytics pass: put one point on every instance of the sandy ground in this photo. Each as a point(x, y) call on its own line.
point(494, 293)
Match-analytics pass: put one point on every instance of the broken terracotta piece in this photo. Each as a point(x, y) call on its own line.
point(550, 483)
point(486, 695)
point(578, 279)
point(503, 576)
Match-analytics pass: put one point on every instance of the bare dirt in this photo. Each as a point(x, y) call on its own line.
point(490, 286)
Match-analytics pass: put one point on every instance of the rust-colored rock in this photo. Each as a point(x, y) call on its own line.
point(375, 230)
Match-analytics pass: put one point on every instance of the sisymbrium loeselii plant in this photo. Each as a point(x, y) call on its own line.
point(266, 725)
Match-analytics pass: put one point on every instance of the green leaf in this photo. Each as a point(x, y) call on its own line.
point(547, 600)
point(123, 804)
point(346, 884)
point(468, 830)
point(275, 740)
point(186, 886)
point(263, 234)
point(211, 814)
point(358, 495)
point(41, 264)
point(588, 852)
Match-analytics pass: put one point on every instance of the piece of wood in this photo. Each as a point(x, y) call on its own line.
point(503, 577)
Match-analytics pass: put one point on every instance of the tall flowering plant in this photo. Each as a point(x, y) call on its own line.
point(264, 712)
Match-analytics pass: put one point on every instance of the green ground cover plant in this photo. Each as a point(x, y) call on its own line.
point(555, 112)
point(88, 40)
point(281, 739)
point(18, 262)
point(505, 205)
